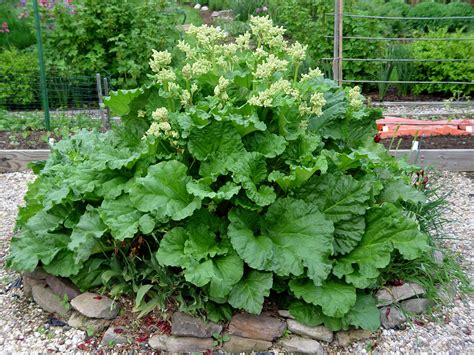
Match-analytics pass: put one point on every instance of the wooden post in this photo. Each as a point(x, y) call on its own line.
point(106, 93)
point(337, 53)
point(101, 100)
point(340, 33)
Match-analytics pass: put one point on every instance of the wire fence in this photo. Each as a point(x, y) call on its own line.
point(383, 82)
point(72, 100)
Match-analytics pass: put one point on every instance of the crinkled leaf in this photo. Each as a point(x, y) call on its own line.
point(85, 235)
point(302, 237)
point(257, 252)
point(64, 264)
point(202, 189)
point(268, 144)
point(335, 298)
point(146, 223)
point(163, 192)
point(364, 314)
point(119, 101)
point(228, 270)
point(171, 251)
point(398, 190)
point(387, 228)
point(251, 291)
point(247, 124)
point(313, 316)
point(121, 217)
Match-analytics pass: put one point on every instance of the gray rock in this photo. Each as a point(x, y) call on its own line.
point(299, 344)
point(204, 8)
point(81, 322)
point(62, 286)
point(318, 333)
point(180, 344)
point(48, 300)
point(238, 344)
point(114, 336)
point(256, 327)
point(93, 305)
point(285, 314)
point(416, 305)
point(28, 283)
point(391, 317)
point(38, 274)
point(389, 295)
point(185, 325)
point(438, 257)
point(197, 6)
point(345, 338)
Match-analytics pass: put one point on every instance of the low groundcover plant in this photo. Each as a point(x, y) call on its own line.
point(234, 178)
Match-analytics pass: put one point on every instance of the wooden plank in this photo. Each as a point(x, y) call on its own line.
point(442, 159)
point(18, 159)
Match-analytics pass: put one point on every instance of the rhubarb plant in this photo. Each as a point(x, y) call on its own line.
point(234, 179)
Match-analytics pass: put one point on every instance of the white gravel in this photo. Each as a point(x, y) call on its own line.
point(430, 111)
point(22, 323)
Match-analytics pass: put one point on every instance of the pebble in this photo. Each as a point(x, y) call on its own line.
point(21, 318)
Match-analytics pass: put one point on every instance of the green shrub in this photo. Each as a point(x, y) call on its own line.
point(231, 180)
point(18, 77)
point(115, 37)
point(429, 9)
point(446, 71)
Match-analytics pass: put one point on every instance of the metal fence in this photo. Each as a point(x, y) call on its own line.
point(69, 98)
point(338, 59)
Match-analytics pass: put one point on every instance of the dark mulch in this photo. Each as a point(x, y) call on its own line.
point(24, 140)
point(433, 142)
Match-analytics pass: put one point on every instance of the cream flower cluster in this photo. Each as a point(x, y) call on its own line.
point(313, 73)
point(220, 89)
point(160, 127)
point(206, 35)
point(160, 114)
point(297, 51)
point(265, 97)
point(266, 33)
point(158, 63)
point(273, 64)
point(355, 97)
point(316, 104)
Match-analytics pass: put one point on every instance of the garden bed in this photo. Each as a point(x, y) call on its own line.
point(432, 142)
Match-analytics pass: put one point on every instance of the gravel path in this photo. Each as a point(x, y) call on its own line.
point(430, 111)
point(24, 326)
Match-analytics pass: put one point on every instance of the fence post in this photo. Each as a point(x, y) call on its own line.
point(337, 53)
point(106, 93)
point(101, 100)
point(43, 86)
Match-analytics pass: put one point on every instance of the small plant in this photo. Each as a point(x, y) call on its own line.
point(220, 339)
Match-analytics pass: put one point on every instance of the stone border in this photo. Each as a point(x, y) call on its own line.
point(245, 332)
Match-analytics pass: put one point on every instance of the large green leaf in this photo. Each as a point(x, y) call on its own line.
point(312, 316)
point(302, 238)
point(268, 144)
point(335, 298)
point(119, 101)
point(388, 228)
point(163, 192)
point(251, 291)
point(85, 235)
point(398, 190)
point(343, 200)
point(364, 314)
point(121, 217)
point(171, 251)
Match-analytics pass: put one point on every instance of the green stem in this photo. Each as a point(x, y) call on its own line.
point(295, 77)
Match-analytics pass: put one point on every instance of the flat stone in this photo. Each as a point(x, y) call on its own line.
point(416, 305)
point(180, 344)
point(238, 344)
point(93, 305)
point(318, 333)
point(114, 336)
point(28, 283)
point(48, 300)
point(204, 8)
point(256, 327)
point(391, 317)
point(285, 314)
point(345, 338)
point(295, 343)
point(62, 286)
point(38, 274)
point(186, 325)
point(81, 322)
point(197, 6)
point(389, 295)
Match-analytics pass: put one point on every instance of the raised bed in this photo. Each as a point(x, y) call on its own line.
point(443, 159)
